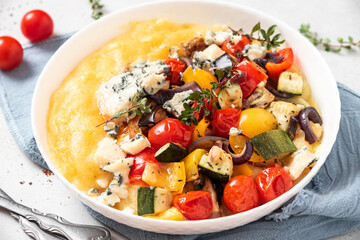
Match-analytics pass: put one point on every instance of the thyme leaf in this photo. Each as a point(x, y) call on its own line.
point(96, 7)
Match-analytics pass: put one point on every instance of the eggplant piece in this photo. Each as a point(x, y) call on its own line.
point(270, 86)
point(193, 45)
point(305, 116)
point(261, 98)
point(164, 95)
point(188, 61)
point(150, 119)
point(199, 183)
point(210, 141)
point(208, 187)
point(245, 104)
point(292, 127)
point(224, 61)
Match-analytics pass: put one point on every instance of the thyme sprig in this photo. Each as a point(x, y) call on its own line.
point(326, 42)
point(138, 108)
point(203, 98)
point(96, 7)
point(267, 38)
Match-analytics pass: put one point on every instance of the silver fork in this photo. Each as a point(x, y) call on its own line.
point(58, 227)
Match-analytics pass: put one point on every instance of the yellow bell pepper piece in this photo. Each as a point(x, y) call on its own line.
point(201, 77)
point(199, 130)
point(243, 169)
point(237, 144)
point(191, 162)
point(170, 176)
point(170, 214)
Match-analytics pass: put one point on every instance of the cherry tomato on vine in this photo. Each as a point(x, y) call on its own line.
point(37, 25)
point(140, 159)
point(224, 119)
point(241, 194)
point(176, 67)
point(11, 53)
point(234, 48)
point(170, 130)
point(275, 69)
point(194, 205)
point(273, 182)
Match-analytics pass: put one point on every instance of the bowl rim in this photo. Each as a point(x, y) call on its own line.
point(108, 211)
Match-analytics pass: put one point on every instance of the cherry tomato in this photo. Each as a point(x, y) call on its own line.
point(272, 182)
point(254, 121)
point(194, 205)
point(224, 119)
point(237, 47)
point(176, 67)
point(11, 53)
point(275, 69)
point(37, 25)
point(170, 130)
point(241, 194)
point(254, 76)
point(140, 159)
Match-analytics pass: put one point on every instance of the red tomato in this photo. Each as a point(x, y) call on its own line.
point(233, 48)
point(170, 130)
point(140, 159)
point(176, 67)
point(194, 205)
point(254, 76)
point(224, 119)
point(209, 106)
point(37, 25)
point(11, 53)
point(272, 182)
point(275, 69)
point(241, 194)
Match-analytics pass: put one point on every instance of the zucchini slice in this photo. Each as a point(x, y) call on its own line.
point(290, 83)
point(273, 143)
point(152, 200)
point(170, 152)
point(216, 164)
point(283, 111)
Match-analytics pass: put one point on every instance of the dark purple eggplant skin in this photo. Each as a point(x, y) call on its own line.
point(305, 116)
point(210, 141)
point(188, 61)
point(164, 95)
point(148, 120)
point(245, 104)
point(224, 61)
point(235, 78)
point(270, 86)
point(292, 127)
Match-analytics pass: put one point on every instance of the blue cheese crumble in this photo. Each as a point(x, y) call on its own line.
point(176, 104)
point(135, 145)
point(253, 51)
point(206, 59)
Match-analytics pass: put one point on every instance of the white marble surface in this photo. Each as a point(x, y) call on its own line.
point(25, 181)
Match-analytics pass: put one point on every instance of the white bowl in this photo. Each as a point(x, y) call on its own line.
point(100, 32)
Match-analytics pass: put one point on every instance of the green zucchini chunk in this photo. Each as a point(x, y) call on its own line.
point(273, 143)
point(152, 200)
point(170, 152)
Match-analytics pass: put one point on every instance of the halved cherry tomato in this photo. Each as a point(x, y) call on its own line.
point(274, 69)
point(170, 130)
point(11, 53)
point(237, 47)
point(37, 25)
point(194, 205)
point(224, 119)
point(176, 67)
point(272, 182)
point(241, 194)
point(140, 159)
point(254, 76)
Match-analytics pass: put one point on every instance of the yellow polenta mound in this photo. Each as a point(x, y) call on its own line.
point(74, 114)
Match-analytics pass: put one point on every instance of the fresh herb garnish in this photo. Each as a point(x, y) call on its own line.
point(96, 7)
point(326, 42)
point(138, 109)
point(203, 98)
point(265, 37)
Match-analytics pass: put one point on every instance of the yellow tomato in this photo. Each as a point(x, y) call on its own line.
point(254, 121)
point(237, 144)
point(201, 77)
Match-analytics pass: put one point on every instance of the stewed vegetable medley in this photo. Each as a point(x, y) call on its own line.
point(224, 124)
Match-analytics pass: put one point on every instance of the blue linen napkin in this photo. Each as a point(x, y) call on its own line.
point(328, 206)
